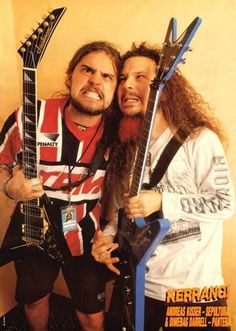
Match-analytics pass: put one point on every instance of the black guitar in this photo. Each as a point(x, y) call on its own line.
point(139, 238)
point(31, 224)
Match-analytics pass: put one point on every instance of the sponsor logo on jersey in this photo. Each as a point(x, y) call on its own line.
point(47, 139)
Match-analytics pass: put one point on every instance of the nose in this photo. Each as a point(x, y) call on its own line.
point(95, 78)
point(128, 83)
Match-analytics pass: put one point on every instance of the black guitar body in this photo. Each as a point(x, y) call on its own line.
point(13, 246)
point(34, 231)
point(127, 304)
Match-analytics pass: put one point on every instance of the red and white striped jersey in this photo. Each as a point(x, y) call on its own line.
point(62, 148)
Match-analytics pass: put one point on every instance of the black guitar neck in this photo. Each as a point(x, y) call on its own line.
point(144, 141)
point(29, 120)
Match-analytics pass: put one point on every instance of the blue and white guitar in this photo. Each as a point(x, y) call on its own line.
point(139, 238)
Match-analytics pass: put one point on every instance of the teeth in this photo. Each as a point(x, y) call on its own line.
point(93, 95)
point(131, 100)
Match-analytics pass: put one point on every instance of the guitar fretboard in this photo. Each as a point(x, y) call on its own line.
point(29, 119)
point(144, 142)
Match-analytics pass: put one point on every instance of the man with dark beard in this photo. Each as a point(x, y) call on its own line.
point(69, 133)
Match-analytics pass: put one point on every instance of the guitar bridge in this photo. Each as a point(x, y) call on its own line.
point(35, 226)
point(32, 234)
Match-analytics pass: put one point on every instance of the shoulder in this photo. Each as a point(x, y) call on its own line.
point(205, 143)
point(204, 138)
point(53, 103)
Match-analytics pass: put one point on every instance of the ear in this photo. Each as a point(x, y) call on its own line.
point(68, 82)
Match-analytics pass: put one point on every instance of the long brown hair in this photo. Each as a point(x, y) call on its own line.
point(183, 108)
point(112, 114)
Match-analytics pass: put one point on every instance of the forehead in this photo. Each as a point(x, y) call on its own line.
point(99, 60)
point(139, 64)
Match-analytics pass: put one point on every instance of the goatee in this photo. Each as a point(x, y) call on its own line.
point(130, 127)
point(88, 111)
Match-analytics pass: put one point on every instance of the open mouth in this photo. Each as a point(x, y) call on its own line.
point(130, 99)
point(92, 94)
point(127, 100)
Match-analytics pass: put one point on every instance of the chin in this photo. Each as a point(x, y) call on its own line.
point(131, 112)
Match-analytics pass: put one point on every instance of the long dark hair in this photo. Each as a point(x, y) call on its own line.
point(183, 108)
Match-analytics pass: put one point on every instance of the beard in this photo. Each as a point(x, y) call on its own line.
point(130, 127)
point(88, 111)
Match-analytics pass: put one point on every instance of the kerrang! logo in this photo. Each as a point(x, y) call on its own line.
point(44, 39)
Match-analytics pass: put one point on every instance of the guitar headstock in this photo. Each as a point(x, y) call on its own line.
point(173, 49)
point(33, 48)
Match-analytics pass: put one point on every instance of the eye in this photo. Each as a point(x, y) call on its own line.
point(121, 79)
point(86, 70)
point(107, 77)
point(140, 76)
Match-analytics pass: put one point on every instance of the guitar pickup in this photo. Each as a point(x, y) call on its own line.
point(32, 210)
point(32, 234)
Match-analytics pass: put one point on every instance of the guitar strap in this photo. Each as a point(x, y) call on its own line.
point(167, 155)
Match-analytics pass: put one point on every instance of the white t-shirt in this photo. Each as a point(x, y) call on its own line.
point(197, 196)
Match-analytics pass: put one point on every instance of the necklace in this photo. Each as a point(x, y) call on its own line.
point(81, 127)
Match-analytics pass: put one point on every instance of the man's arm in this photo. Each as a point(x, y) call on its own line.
point(15, 186)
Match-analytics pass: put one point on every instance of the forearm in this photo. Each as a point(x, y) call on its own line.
point(202, 207)
point(5, 177)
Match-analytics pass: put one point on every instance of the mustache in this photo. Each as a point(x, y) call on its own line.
point(128, 94)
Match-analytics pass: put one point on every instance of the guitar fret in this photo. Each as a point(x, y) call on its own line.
point(29, 143)
point(143, 144)
point(30, 133)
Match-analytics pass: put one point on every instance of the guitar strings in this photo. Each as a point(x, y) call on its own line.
point(30, 155)
point(128, 225)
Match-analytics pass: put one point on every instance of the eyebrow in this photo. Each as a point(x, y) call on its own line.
point(93, 70)
point(136, 73)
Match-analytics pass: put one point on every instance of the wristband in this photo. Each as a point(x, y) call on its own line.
point(4, 187)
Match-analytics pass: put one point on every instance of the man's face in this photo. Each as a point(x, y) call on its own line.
point(133, 90)
point(93, 83)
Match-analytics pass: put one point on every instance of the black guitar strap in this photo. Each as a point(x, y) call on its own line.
point(167, 155)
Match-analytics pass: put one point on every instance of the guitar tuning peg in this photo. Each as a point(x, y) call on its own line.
point(51, 17)
point(45, 23)
point(28, 43)
point(40, 30)
point(34, 37)
point(23, 49)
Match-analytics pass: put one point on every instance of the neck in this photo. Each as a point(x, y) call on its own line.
point(81, 118)
point(159, 126)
